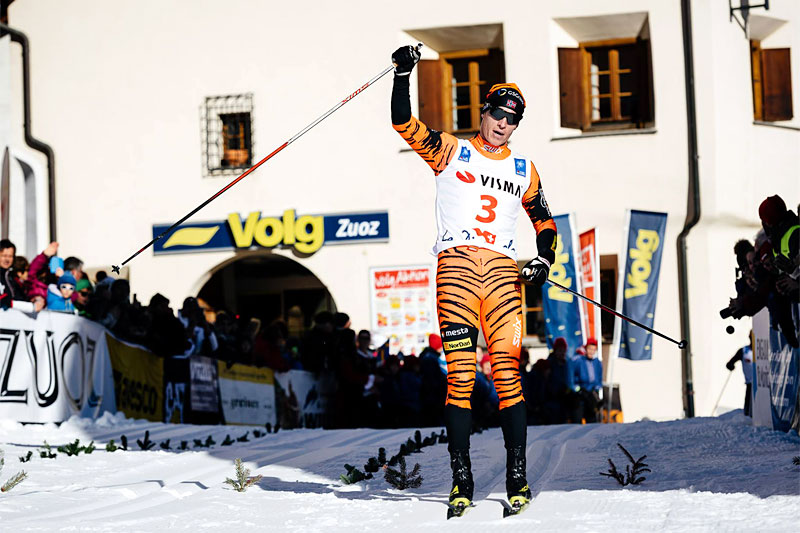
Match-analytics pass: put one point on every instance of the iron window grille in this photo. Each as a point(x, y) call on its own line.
point(227, 134)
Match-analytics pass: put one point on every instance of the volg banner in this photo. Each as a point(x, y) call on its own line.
point(639, 282)
point(52, 367)
point(563, 312)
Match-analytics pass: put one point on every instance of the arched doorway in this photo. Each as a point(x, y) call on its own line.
point(267, 287)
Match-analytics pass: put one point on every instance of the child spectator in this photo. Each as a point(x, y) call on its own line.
point(59, 296)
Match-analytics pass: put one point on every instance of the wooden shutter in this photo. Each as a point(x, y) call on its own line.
point(431, 88)
point(776, 80)
point(570, 82)
point(755, 67)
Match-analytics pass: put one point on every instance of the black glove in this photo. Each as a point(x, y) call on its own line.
point(536, 271)
point(404, 59)
point(730, 365)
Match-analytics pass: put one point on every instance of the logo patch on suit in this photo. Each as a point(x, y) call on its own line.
point(520, 167)
point(465, 154)
point(457, 345)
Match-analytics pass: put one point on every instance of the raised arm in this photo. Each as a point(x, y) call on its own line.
point(435, 147)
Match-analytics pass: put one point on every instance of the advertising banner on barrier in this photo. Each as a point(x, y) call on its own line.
point(776, 381)
point(563, 312)
point(52, 367)
point(247, 394)
point(138, 380)
point(304, 400)
point(402, 300)
point(203, 384)
point(176, 390)
point(639, 289)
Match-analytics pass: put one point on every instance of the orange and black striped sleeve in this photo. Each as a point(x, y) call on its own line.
point(538, 211)
point(435, 147)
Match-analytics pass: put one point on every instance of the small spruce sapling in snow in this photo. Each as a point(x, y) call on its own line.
point(442, 437)
point(124, 441)
point(258, 434)
point(353, 475)
point(372, 466)
point(209, 442)
point(26, 458)
point(165, 445)
point(243, 438)
point(73, 448)
point(382, 456)
point(198, 443)
point(243, 479)
point(145, 444)
point(402, 480)
point(268, 427)
point(184, 445)
point(796, 460)
point(111, 447)
point(47, 452)
point(633, 475)
point(15, 480)
point(418, 440)
point(90, 448)
point(228, 441)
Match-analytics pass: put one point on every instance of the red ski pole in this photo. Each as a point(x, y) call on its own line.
point(116, 268)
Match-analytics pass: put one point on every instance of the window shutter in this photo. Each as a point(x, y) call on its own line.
point(776, 80)
point(430, 79)
point(570, 82)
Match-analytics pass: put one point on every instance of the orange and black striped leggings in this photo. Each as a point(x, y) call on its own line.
point(479, 287)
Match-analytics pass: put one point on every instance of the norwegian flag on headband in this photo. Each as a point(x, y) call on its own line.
point(511, 104)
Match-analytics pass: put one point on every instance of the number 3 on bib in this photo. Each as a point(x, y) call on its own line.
point(490, 214)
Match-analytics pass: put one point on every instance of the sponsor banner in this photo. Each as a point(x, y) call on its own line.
point(640, 282)
point(138, 380)
point(203, 385)
point(52, 367)
point(590, 282)
point(563, 313)
point(402, 304)
point(176, 390)
point(304, 399)
point(247, 394)
point(775, 387)
point(306, 233)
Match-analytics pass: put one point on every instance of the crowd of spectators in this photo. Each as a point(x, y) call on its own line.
point(374, 388)
point(768, 271)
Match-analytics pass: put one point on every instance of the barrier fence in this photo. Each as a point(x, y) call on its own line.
point(58, 365)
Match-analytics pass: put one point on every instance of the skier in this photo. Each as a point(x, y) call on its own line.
point(480, 186)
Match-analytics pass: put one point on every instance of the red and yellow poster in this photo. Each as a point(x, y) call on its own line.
point(402, 306)
point(590, 275)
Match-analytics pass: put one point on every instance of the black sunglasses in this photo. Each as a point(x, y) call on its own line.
point(499, 114)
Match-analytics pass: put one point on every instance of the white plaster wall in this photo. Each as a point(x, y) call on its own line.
point(117, 90)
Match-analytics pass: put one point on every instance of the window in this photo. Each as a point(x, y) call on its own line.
point(532, 313)
point(608, 294)
point(227, 134)
point(606, 85)
point(451, 88)
point(772, 82)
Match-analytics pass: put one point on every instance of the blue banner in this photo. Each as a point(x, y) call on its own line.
point(306, 233)
point(779, 373)
point(640, 279)
point(562, 310)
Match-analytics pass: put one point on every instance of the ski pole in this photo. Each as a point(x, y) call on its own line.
point(681, 344)
point(116, 268)
point(714, 410)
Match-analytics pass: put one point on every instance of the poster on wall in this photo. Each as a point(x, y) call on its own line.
point(247, 394)
point(52, 367)
point(402, 306)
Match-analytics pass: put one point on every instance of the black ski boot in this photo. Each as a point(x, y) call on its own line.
point(519, 494)
point(463, 486)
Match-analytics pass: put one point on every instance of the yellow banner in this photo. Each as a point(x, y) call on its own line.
point(240, 372)
point(138, 380)
point(458, 345)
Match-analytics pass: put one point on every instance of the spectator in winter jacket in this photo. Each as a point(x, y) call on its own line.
point(560, 385)
point(535, 391)
point(38, 273)
point(745, 356)
point(590, 381)
point(59, 295)
point(166, 336)
point(10, 289)
point(80, 299)
point(433, 391)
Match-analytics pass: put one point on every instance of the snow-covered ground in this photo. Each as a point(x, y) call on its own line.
point(709, 474)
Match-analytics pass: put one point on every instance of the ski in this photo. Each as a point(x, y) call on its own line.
point(459, 509)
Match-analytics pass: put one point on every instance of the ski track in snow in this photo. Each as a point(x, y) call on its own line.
point(709, 474)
